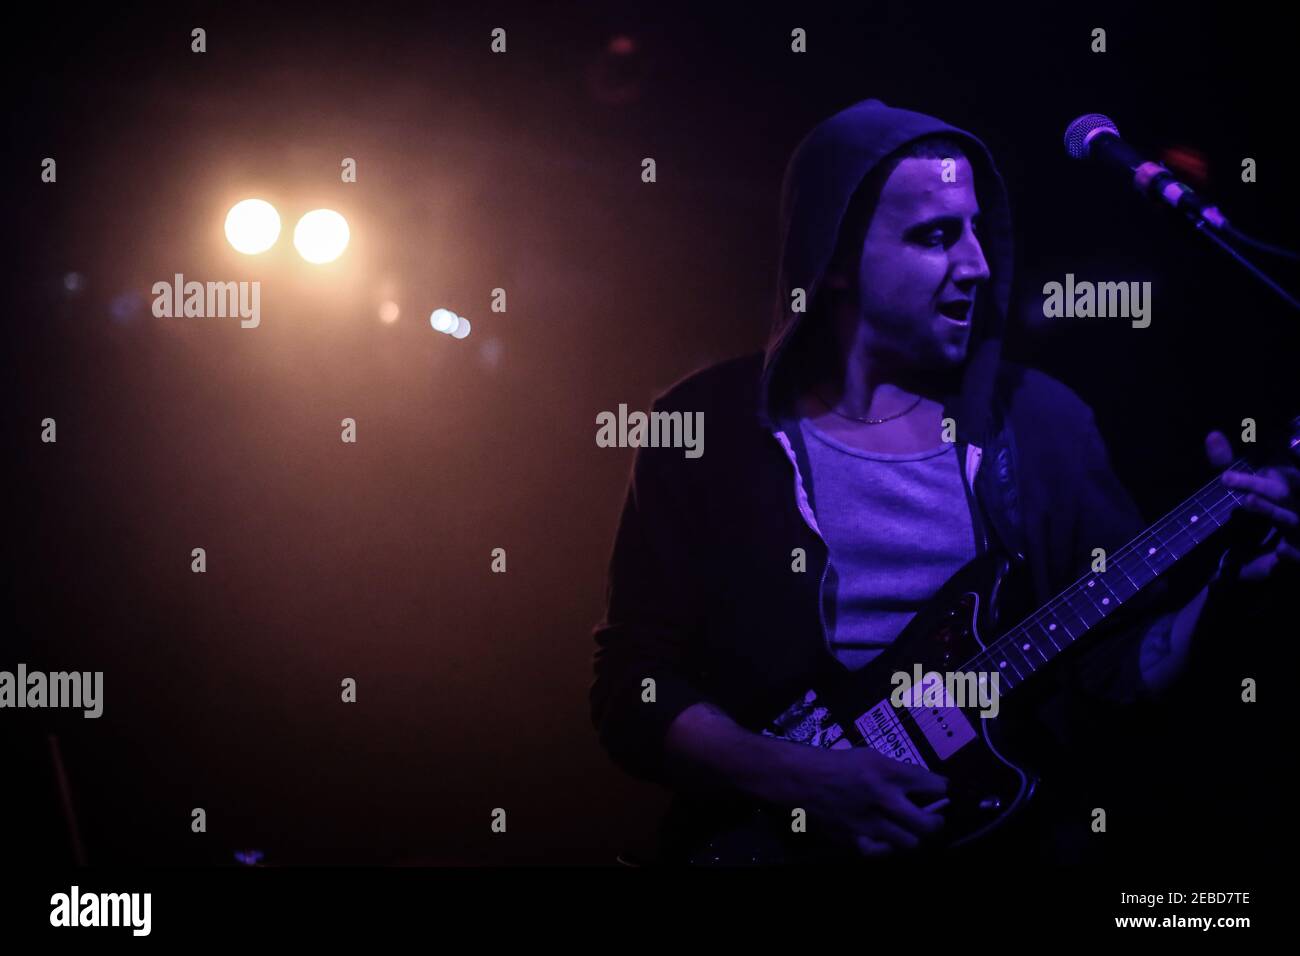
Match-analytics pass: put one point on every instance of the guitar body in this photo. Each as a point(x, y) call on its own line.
point(960, 632)
point(956, 742)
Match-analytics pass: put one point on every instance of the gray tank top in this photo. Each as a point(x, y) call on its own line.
point(897, 526)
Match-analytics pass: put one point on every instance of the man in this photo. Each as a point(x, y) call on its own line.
point(876, 446)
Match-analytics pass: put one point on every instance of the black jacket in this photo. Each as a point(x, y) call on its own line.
point(702, 596)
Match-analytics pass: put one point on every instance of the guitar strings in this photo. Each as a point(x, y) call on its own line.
point(1060, 600)
point(926, 718)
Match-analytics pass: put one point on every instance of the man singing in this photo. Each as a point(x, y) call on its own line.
point(876, 446)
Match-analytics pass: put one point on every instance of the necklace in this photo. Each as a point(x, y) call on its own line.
point(866, 421)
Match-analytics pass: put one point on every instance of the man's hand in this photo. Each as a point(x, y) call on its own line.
point(857, 796)
point(1273, 493)
point(865, 799)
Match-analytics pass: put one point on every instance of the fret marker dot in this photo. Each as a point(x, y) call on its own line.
point(1105, 600)
point(1151, 550)
point(1003, 664)
point(1193, 519)
point(1025, 647)
point(1051, 627)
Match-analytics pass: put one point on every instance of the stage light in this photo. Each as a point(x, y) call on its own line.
point(388, 312)
point(252, 226)
point(462, 328)
point(321, 236)
point(443, 320)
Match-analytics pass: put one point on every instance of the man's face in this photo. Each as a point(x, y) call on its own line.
point(921, 263)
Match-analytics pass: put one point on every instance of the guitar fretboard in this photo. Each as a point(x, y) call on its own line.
point(1060, 622)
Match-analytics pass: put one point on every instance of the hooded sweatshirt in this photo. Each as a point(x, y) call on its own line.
point(703, 596)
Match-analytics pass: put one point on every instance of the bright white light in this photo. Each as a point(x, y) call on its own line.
point(321, 236)
point(389, 311)
point(462, 328)
point(443, 320)
point(252, 226)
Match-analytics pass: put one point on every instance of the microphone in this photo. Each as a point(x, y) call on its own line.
point(1094, 136)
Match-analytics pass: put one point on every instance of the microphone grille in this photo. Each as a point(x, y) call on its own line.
point(1078, 135)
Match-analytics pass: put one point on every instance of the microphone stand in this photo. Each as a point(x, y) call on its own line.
point(1212, 234)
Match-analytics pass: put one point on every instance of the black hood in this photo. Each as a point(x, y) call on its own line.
point(820, 180)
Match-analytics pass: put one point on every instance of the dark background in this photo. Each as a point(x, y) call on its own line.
point(522, 171)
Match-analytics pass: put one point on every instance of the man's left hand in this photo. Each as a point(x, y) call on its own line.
point(1274, 494)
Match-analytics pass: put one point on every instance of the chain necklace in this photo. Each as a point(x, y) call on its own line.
point(866, 421)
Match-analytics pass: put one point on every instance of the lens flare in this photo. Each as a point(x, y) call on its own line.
point(252, 226)
point(321, 236)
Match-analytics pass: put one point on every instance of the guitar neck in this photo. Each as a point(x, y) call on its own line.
point(1058, 624)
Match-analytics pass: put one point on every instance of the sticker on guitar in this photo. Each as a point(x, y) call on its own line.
point(881, 728)
point(807, 722)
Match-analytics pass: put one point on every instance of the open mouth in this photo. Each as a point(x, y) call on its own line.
point(958, 311)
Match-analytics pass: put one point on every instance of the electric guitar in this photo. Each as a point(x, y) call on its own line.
point(945, 732)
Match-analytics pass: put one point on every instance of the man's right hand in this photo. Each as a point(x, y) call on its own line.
point(855, 796)
point(862, 797)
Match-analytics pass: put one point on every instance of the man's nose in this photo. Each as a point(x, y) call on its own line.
point(970, 267)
